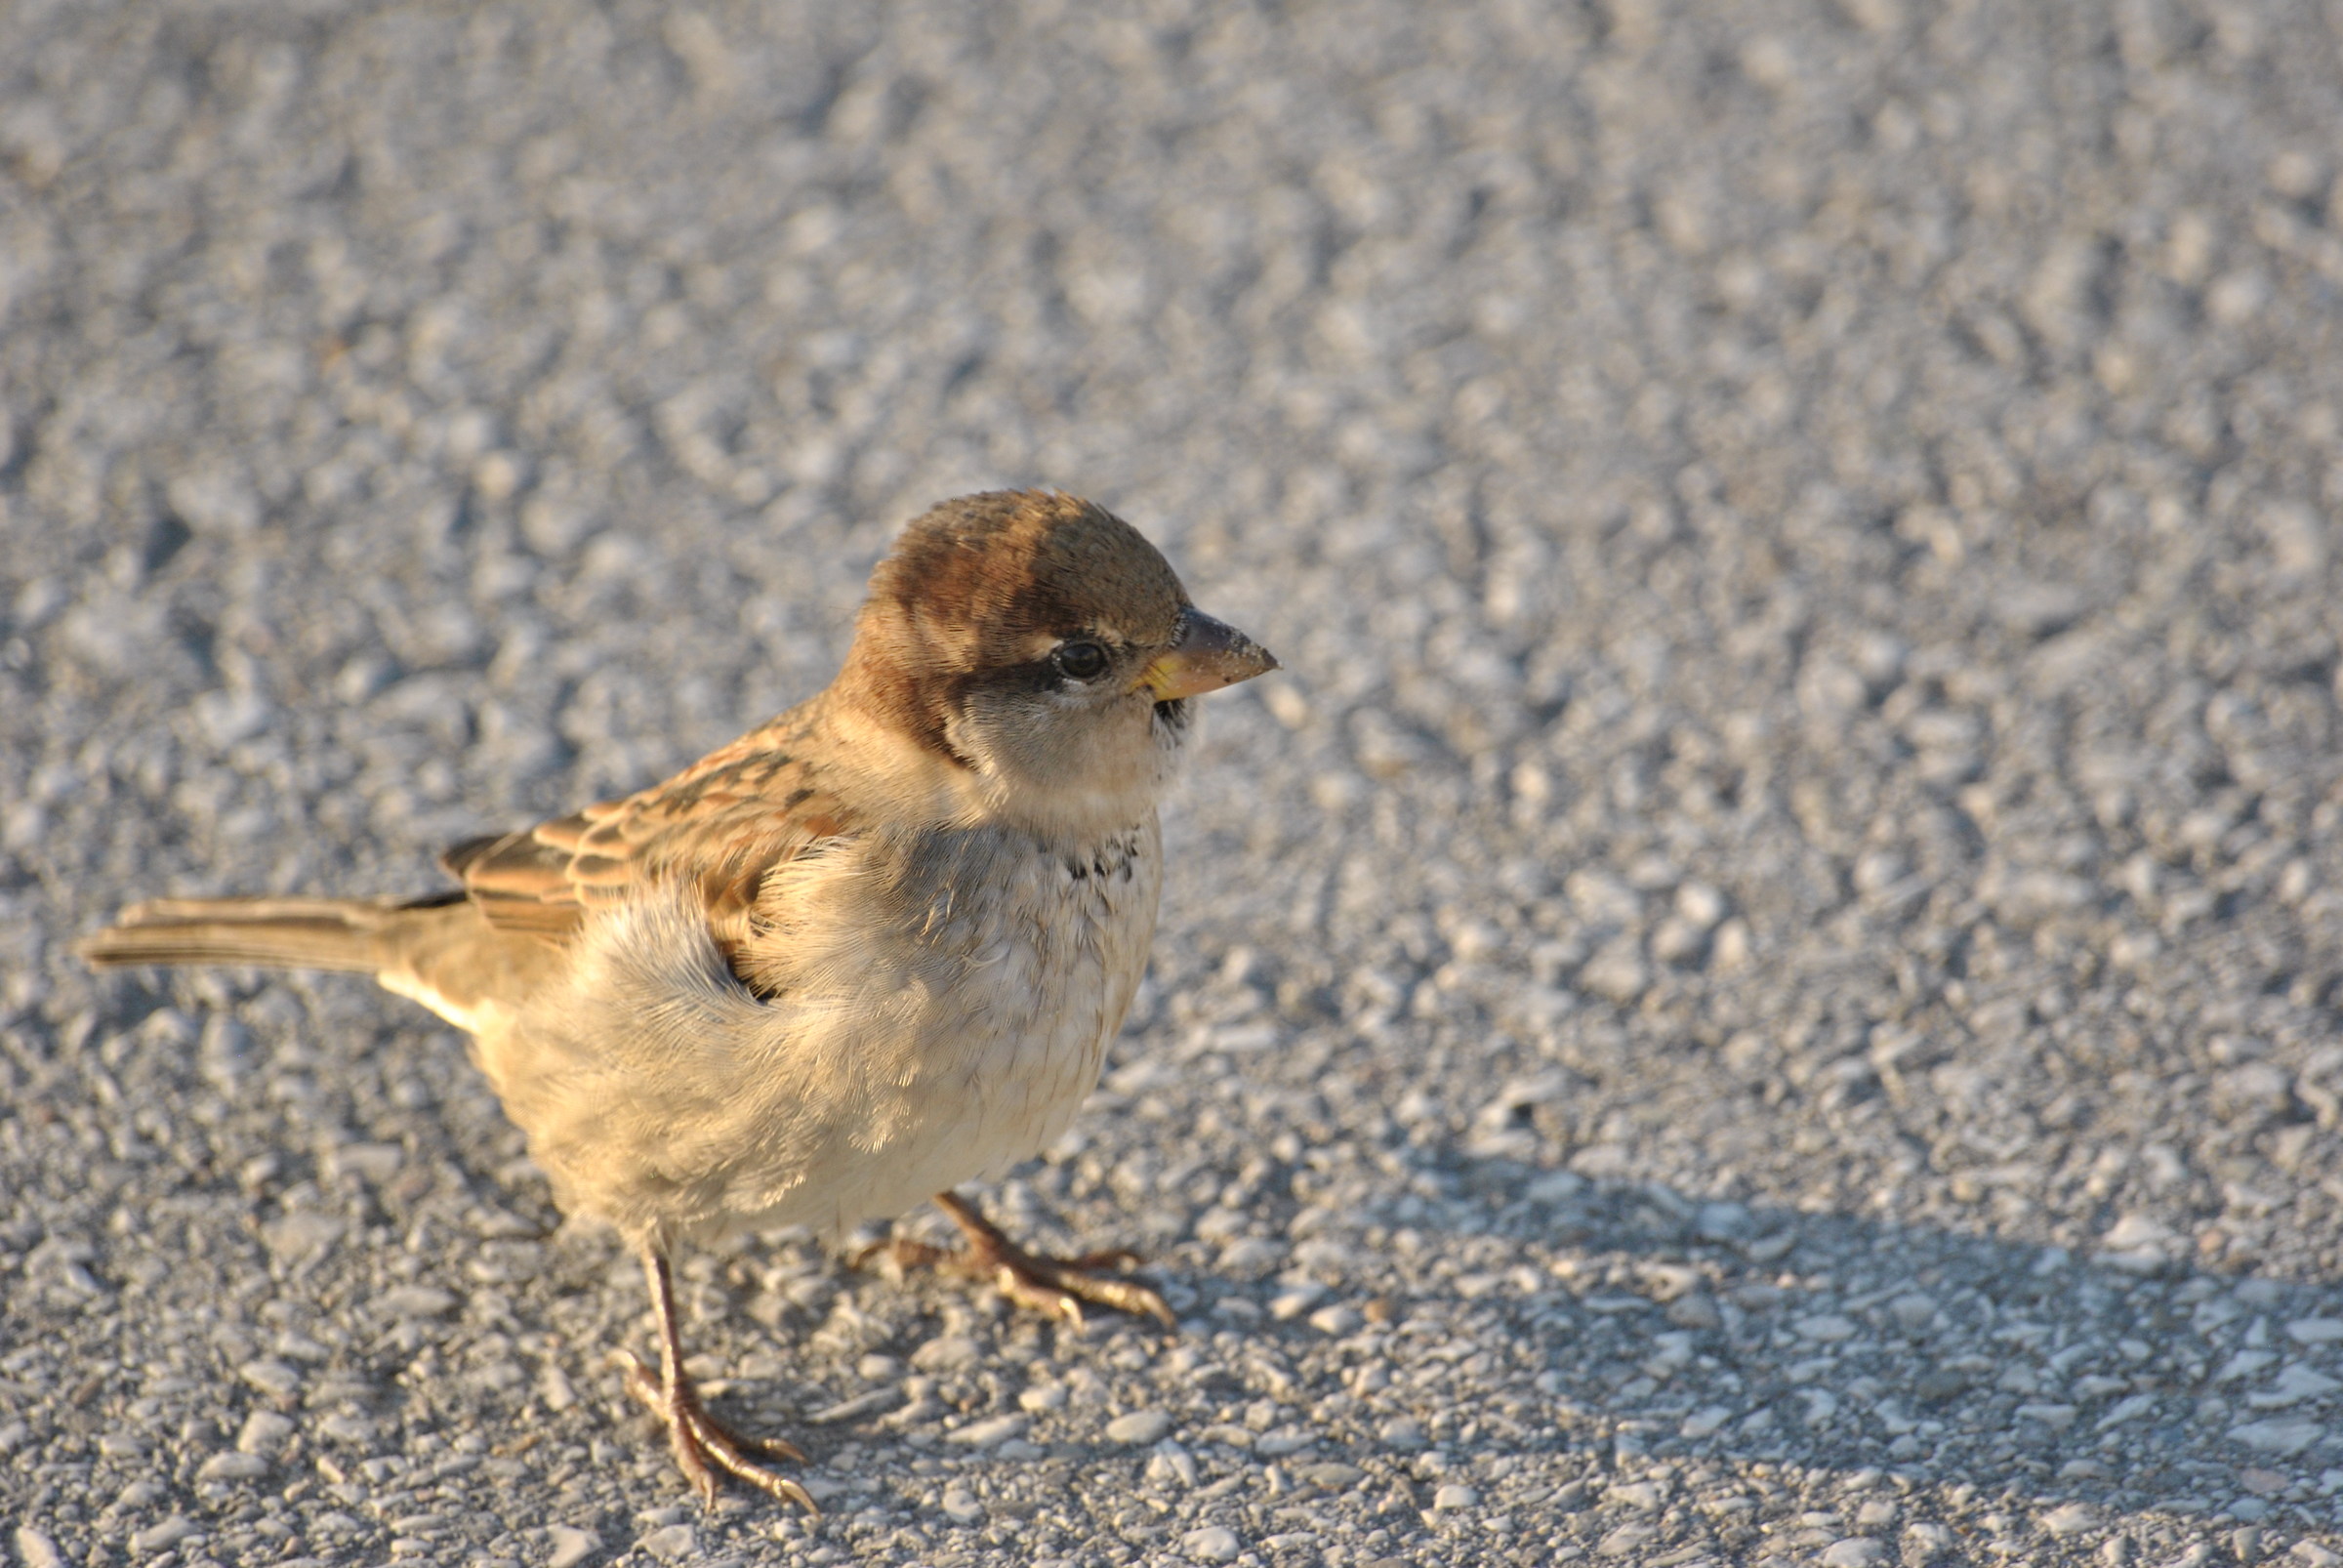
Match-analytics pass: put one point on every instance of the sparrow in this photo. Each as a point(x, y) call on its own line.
point(863, 955)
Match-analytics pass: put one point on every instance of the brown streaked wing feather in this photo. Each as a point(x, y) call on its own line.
point(521, 882)
point(721, 825)
point(456, 857)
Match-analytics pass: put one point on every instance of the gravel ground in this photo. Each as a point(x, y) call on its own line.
point(1764, 988)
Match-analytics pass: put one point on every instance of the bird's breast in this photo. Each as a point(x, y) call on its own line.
point(927, 1010)
point(962, 988)
point(1019, 957)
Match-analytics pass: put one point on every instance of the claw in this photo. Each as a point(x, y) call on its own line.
point(1056, 1286)
point(701, 1443)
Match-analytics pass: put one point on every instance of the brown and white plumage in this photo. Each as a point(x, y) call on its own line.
point(871, 950)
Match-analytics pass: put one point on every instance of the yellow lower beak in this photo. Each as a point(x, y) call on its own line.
point(1207, 656)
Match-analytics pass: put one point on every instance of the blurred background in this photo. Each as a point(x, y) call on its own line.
point(1801, 540)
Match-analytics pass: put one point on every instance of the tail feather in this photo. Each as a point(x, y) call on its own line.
point(351, 934)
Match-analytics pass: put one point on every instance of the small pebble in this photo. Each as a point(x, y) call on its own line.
point(1928, 1541)
point(950, 1353)
point(2072, 1519)
point(672, 1543)
point(1283, 1440)
point(1214, 1542)
point(264, 1431)
point(343, 1426)
point(1855, 1551)
point(415, 1302)
point(1333, 1475)
point(2283, 1436)
point(233, 1468)
point(986, 1433)
point(1696, 1310)
point(1290, 1304)
point(1138, 1426)
point(571, 1546)
point(2295, 1385)
point(1617, 974)
point(1336, 1321)
point(169, 1533)
point(1912, 1311)
point(961, 1504)
point(274, 1378)
point(1455, 1495)
point(1250, 1255)
point(36, 1550)
point(377, 1163)
point(1626, 1541)
point(1706, 1420)
point(1171, 1462)
point(1403, 1433)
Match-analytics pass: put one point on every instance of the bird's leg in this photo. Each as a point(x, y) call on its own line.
point(701, 1444)
point(1057, 1286)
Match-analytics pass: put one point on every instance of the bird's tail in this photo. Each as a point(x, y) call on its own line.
point(351, 934)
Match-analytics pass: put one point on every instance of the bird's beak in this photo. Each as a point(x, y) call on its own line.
point(1207, 656)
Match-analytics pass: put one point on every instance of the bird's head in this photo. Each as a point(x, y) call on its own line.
point(1041, 643)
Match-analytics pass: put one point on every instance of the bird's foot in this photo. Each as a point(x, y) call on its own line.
point(1056, 1286)
point(704, 1445)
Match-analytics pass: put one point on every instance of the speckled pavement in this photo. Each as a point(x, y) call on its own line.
point(1767, 986)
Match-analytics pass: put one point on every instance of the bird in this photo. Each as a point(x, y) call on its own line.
point(870, 952)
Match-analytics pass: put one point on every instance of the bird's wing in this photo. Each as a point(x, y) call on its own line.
point(718, 827)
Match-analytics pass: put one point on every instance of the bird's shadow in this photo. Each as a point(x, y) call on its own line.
point(1658, 1331)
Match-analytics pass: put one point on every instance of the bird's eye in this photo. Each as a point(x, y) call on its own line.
point(1080, 661)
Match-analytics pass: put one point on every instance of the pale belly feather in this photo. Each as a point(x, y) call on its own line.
point(948, 1005)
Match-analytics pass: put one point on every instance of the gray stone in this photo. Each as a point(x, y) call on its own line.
point(990, 1431)
point(672, 1543)
point(2072, 1518)
point(264, 1431)
point(415, 1302)
point(2279, 1435)
point(36, 1549)
point(233, 1468)
point(1854, 1551)
point(1403, 1433)
point(271, 1377)
point(1214, 1542)
point(951, 1353)
point(571, 1545)
point(1140, 1427)
point(163, 1534)
point(1336, 1321)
